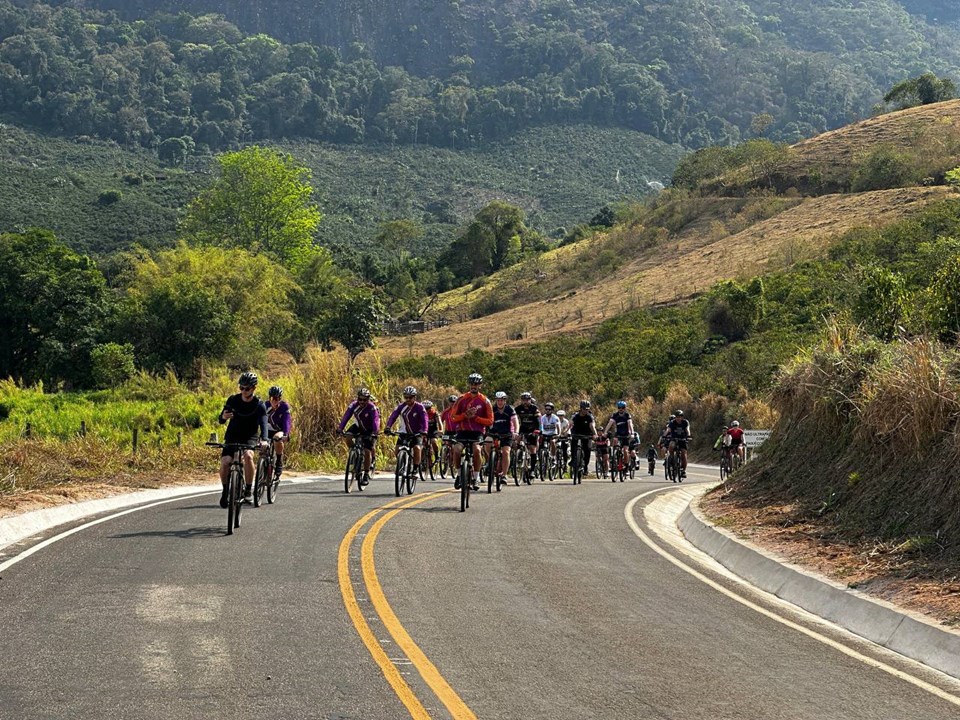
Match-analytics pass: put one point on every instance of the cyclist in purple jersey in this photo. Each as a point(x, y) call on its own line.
point(415, 423)
point(279, 422)
point(366, 423)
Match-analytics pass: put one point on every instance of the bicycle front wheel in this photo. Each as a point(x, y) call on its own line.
point(400, 474)
point(261, 480)
point(234, 499)
point(465, 481)
point(350, 473)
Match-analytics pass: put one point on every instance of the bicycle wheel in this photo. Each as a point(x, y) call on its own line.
point(444, 462)
point(632, 469)
point(273, 485)
point(672, 467)
point(724, 470)
point(413, 475)
point(261, 480)
point(515, 467)
point(235, 500)
point(400, 474)
point(350, 473)
point(490, 470)
point(575, 465)
point(465, 481)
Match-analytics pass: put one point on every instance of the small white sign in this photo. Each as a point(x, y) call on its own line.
point(755, 438)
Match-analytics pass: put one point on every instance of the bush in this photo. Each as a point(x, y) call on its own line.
point(111, 364)
point(109, 197)
point(884, 168)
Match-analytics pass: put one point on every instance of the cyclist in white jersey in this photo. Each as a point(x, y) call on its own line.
point(550, 427)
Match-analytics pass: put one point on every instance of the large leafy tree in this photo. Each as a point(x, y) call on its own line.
point(53, 302)
point(262, 202)
point(922, 90)
point(492, 241)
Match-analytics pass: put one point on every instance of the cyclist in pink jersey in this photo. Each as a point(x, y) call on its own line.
point(473, 414)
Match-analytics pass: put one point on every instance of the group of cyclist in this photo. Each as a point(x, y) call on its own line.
point(472, 420)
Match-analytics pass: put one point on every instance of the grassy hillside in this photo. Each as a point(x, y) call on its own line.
point(561, 176)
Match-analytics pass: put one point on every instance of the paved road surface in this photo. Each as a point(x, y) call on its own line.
point(538, 603)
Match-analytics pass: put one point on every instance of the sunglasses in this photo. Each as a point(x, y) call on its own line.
point(409, 397)
point(246, 388)
point(363, 399)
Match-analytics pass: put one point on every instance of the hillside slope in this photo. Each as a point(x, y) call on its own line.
point(677, 269)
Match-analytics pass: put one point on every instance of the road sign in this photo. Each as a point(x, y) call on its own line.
point(755, 438)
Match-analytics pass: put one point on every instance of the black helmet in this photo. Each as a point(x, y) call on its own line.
point(584, 404)
point(452, 398)
point(475, 379)
point(275, 391)
point(679, 413)
point(526, 396)
point(248, 379)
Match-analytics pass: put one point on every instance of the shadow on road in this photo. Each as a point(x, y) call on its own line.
point(183, 534)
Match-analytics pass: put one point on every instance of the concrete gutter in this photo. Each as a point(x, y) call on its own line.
point(881, 622)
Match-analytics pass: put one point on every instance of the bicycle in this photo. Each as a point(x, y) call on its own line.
point(493, 459)
point(618, 468)
point(523, 467)
point(428, 461)
point(545, 461)
point(602, 462)
point(234, 481)
point(562, 456)
point(444, 462)
point(265, 479)
point(466, 472)
point(577, 466)
point(405, 475)
point(354, 468)
point(672, 463)
point(726, 464)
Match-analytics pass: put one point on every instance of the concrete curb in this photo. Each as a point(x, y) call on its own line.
point(880, 622)
point(17, 528)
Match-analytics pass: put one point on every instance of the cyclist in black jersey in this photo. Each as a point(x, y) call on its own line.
point(528, 415)
point(583, 427)
point(505, 426)
point(679, 437)
point(621, 423)
point(247, 424)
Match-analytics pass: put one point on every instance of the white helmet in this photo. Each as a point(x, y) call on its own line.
point(735, 423)
point(561, 413)
point(501, 395)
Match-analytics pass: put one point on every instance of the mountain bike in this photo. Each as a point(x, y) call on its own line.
point(673, 464)
point(726, 464)
point(602, 461)
point(428, 461)
point(578, 467)
point(545, 461)
point(493, 460)
point(444, 462)
point(466, 472)
point(523, 469)
point(354, 469)
point(618, 467)
point(405, 474)
point(562, 456)
point(234, 481)
point(266, 479)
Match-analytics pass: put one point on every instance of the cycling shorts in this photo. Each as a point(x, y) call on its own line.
point(505, 440)
point(411, 440)
point(249, 441)
point(464, 435)
point(368, 441)
point(531, 438)
point(680, 443)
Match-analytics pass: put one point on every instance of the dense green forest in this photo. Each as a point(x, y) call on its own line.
point(455, 74)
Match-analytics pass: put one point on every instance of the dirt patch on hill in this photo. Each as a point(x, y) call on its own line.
point(679, 269)
point(888, 571)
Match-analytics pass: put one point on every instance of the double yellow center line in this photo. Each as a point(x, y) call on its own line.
point(428, 671)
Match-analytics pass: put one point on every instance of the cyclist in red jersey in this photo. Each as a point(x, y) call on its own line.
point(735, 432)
point(473, 414)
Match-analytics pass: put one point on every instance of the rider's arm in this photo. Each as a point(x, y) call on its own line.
point(375, 425)
point(606, 428)
point(485, 416)
point(630, 426)
point(264, 430)
point(515, 424)
point(393, 416)
point(347, 415)
point(456, 414)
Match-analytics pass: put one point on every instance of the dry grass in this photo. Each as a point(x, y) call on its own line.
point(687, 264)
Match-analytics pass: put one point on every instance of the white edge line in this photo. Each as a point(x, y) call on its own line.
point(922, 684)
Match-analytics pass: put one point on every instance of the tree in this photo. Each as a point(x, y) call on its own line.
point(398, 236)
point(111, 364)
point(922, 90)
point(493, 240)
point(261, 202)
point(355, 322)
point(731, 309)
point(881, 303)
point(174, 151)
point(54, 306)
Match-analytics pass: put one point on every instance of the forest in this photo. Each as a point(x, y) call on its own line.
point(689, 72)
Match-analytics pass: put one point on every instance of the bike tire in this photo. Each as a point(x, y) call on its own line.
point(465, 481)
point(260, 480)
point(491, 471)
point(272, 487)
point(400, 473)
point(724, 471)
point(444, 462)
point(350, 473)
point(413, 475)
point(236, 500)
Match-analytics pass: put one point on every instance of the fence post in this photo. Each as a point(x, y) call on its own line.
point(136, 440)
point(180, 438)
point(28, 431)
point(83, 428)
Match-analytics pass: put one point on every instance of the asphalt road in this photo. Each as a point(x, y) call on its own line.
point(538, 603)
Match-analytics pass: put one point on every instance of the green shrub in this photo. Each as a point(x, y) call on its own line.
point(884, 168)
point(111, 364)
point(109, 197)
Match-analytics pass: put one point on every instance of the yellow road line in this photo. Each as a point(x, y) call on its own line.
point(390, 672)
point(428, 671)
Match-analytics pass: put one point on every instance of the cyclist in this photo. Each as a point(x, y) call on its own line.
point(679, 437)
point(529, 416)
point(621, 424)
point(505, 426)
point(473, 414)
point(602, 443)
point(736, 440)
point(434, 429)
point(723, 439)
point(366, 423)
point(246, 420)
point(414, 417)
point(279, 422)
point(564, 440)
point(549, 430)
point(651, 459)
point(634, 445)
point(663, 442)
point(583, 427)
point(564, 423)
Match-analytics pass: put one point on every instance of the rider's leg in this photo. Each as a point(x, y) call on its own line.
point(249, 469)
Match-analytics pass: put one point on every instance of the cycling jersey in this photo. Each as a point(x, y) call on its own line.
point(564, 426)
point(249, 420)
point(502, 420)
point(679, 429)
point(449, 426)
point(279, 418)
point(582, 424)
point(414, 417)
point(736, 436)
point(480, 421)
point(529, 416)
point(622, 420)
point(550, 425)
point(433, 422)
point(366, 415)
